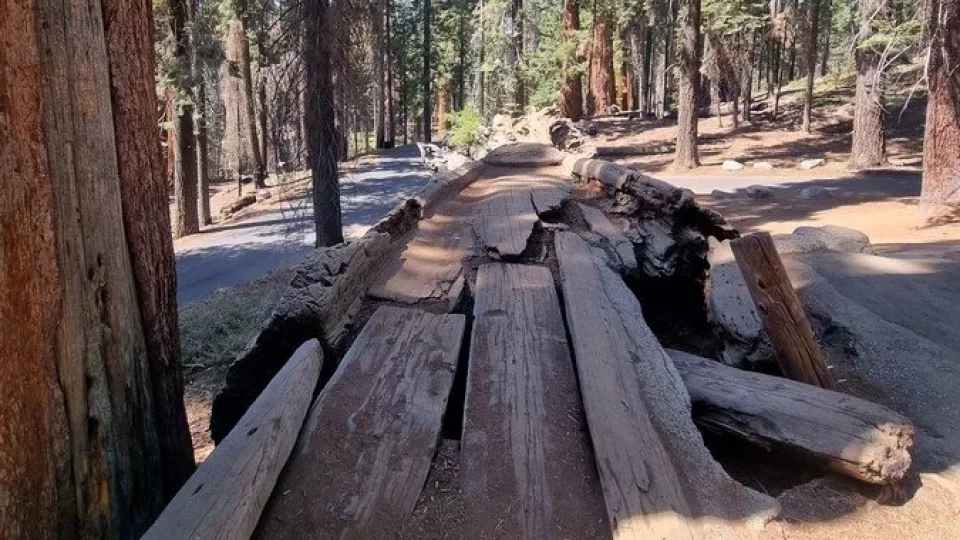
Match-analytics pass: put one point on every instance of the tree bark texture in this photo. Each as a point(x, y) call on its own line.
point(427, 111)
point(869, 143)
point(203, 155)
point(185, 161)
point(320, 126)
point(688, 101)
point(941, 160)
point(246, 75)
point(81, 447)
point(810, 59)
point(602, 87)
point(571, 87)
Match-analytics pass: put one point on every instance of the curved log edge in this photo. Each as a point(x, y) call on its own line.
point(325, 294)
point(843, 433)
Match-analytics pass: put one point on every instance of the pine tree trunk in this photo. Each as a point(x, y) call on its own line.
point(571, 87)
point(869, 143)
point(246, 74)
point(810, 60)
point(602, 87)
point(827, 20)
point(185, 157)
point(516, 16)
point(941, 159)
point(262, 116)
point(203, 155)
point(664, 101)
point(320, 124)
point(427, 24)
point(688, 102)
point(92, 427)
point(390, 128)
point(715, 100)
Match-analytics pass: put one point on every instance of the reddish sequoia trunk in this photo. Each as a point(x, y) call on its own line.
point(869, 143)
point(602, 89)
point(143, 193)
point(80, 414)
point(571, 88)
point(687, 117)
point(941, 160)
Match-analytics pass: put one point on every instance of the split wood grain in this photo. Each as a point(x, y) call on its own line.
point(505, 219)
point(782, 314)
point(224, 498)
point(526, 467)
point(366, 448)
point(618, 243)
point(643, 494)
point(846, 434)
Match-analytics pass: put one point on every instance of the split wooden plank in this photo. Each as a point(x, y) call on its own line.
point(846, 434)
point(601, 225)
point(643, 493)
point(505, 219)
point(782, 314)
point(226, 495)
point(366, 448)
point(659, 480)
point(430, 267)
point(526, 467)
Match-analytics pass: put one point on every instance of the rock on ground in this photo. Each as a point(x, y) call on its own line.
point(808, 164)
point(759, 192)
point(815, 193)
point(838, 238)
point(731, 165)
point(762, 166)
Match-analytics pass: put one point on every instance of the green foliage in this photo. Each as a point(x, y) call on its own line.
point(465, 128)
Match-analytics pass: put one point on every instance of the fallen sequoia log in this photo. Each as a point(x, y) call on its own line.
point(658, 478)
point(226, 495)
point(843, 433)
point(666, 225)
point(323, 298)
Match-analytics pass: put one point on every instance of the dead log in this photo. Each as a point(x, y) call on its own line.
point(323, 297)
point(843, 433)
point(666, 225)
point(226, 495)
point(658, 478)
point(782, 314)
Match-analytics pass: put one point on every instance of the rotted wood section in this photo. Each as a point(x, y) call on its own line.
point(366, 448)
point(526, 466)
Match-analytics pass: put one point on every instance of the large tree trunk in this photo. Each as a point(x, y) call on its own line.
point(602, 88)
point(427, 111)
point(571, 88)
point(185, 156)
point(203, 155)
point(246, 75)
point(320, 126)
point(688, 102)
point(810, 59)
point(82, 449)
point(869, 143)
point(827, 20)
point(941, 160)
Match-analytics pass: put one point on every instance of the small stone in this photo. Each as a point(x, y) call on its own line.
point(731, 165)
point(264, 194)
point(758, 192)
point(815, 193)
point(592, 129)
point(838, 238)
point(808, 164)
point(762, 166)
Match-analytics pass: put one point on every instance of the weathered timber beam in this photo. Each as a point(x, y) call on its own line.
point(843, 433)
point(224, 498)
point(782, 314)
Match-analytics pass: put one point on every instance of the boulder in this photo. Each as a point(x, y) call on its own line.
point(762, 166)
point(815, 193)
point(719, 195)
point(758, 192)
point(264, 194)
point(838, 238)
point(808, 164)
point(795, 243)
point(731, 165)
